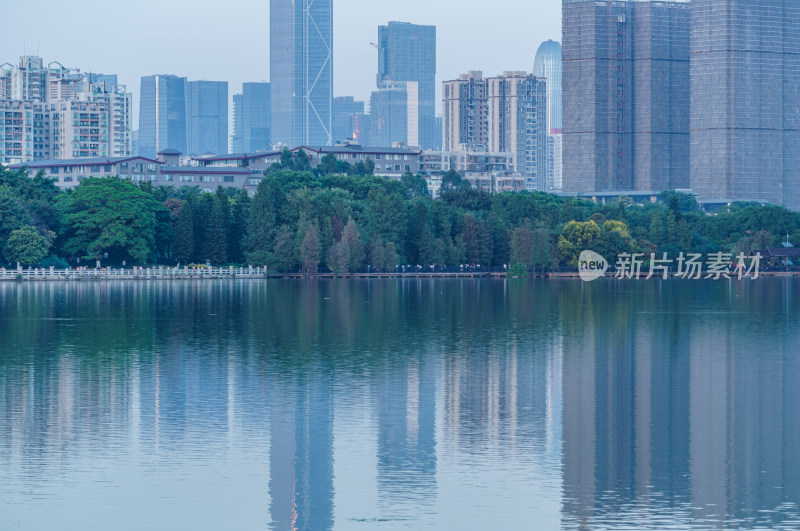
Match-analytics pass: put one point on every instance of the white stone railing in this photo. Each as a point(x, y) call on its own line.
point(156, 272)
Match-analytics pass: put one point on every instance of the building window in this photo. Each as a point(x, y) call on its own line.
point(207, 179)
point(408, 168)
point(167, 178)
point(253, 181)
point(396, 167)
point(67, 179)
point(53, 171)
point(187, 178)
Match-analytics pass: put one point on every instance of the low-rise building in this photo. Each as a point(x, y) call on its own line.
point(163, 171)
point(392, 162)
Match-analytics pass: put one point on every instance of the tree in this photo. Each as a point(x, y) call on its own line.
point(262, 221)
point(183, 235)
point(216, 249)
point(237, 227)
point(471, 237)
point(522, 245)
point(284, 257)
point(352, 245)
point(109, 216)
point(202, 209)
point(12, 212)
point(327, 165)
point(377, 250)
point(452, 179)
point(416, 185)
point(309, 251)
point(576, 237)
point(28, 246)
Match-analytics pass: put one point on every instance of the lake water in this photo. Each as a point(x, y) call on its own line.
point(400, 404)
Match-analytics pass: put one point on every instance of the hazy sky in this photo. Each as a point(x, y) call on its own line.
point(228, 40)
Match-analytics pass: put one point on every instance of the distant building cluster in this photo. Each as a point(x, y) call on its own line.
point(497, 132)
point(646, 96)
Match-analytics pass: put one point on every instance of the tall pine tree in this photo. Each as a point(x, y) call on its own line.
point(217, 232)
point(183, 235)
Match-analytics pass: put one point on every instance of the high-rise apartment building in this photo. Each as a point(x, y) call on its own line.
point(745, 88)
point(301, 71)
point(65, 113)
point(464, 113)
point(407, 53)
point(547, 65)
point(207, 117)
point(162, 115)
point(625, 95)
point(517, 123)
point(394, 114)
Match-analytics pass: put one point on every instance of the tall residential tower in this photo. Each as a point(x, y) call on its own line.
point(745, 89)
point(625, 96)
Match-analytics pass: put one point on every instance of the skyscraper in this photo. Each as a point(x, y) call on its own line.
point(251, 118)
point(162, 115)
point(237, 139)
point(394, 114)
point(517, 123)
point(547, 65)
point(301, 71)
point(407, 52)
point(207, 117)
point(745, 88)
point(625, 95)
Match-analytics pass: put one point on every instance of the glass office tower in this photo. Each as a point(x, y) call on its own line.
point(301, 71)
point(547, 65)
point(162, 115)
point(251, 118)
point(207, 115)
point(407, 52)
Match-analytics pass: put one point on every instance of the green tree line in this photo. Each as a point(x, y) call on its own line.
point(341, 219)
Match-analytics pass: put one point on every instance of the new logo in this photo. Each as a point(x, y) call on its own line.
point(591, 266)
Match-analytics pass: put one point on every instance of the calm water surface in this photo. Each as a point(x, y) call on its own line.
point(402, 404)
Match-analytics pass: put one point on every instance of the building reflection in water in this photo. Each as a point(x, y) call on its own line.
point(679, 414)
point(655, 404)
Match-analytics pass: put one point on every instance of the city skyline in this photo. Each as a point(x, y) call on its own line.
point(463, 44)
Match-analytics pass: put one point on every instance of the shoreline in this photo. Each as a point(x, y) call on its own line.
point(137, 274)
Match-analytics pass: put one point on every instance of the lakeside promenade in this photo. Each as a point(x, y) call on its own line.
point(255, 273)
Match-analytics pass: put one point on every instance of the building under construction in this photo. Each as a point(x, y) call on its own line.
point(625, 96)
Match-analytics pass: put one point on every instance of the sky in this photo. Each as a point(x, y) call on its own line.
point(229, 40)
